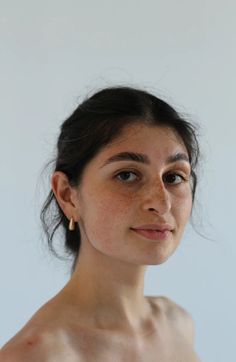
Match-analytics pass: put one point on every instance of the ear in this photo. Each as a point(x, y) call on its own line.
point(65, 194)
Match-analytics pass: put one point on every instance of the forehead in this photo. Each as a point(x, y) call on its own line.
point(154, 140)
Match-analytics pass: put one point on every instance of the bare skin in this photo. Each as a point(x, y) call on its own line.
point(102, 314)
point(169, 337)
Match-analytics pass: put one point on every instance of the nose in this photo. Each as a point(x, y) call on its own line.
point(158, 199)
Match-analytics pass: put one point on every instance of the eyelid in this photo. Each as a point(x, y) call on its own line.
point(181, 172)
point(185, 167)
point(128, 170)
point(178, 172)
point(183, 178)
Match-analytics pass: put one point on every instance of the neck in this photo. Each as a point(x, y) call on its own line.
point(107, 291)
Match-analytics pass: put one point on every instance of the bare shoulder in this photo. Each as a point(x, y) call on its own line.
point(178, 316)
point(34, 343)
point(25, 345)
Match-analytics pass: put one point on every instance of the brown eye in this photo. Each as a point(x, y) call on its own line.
point(125, 176)
point(174, 178)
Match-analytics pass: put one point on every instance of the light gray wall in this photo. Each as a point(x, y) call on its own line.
point(55, 52)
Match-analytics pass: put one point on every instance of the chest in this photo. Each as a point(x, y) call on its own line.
point(103, 348)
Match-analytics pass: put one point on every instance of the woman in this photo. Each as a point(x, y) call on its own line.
point(122, 189)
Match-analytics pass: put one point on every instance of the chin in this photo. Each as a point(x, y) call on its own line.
point(161, 256)
point(159, 261)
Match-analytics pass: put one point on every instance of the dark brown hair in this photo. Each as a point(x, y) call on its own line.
point(96, 122)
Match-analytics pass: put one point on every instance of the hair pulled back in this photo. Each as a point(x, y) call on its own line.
point(96, 122)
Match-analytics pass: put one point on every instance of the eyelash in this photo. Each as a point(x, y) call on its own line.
point(129, 171)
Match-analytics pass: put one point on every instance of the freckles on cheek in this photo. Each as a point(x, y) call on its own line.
point(109, 221)
point(115, 205)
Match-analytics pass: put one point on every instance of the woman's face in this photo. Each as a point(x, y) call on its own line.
point(115, 197)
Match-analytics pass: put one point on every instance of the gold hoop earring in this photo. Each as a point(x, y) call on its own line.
point(72, 224)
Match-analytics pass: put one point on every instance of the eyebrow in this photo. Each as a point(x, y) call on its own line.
point(142, 158)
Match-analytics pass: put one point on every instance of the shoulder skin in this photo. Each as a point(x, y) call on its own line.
point(31, 345)
point(180, 317)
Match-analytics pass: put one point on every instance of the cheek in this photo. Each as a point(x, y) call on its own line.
point(103, 219)
point(105, 214)
point(182, 205)
point(114, 202)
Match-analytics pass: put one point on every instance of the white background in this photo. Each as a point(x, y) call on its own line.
point(52, 54)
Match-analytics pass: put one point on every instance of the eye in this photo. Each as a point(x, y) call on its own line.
point(174, 178)
point(171, 178)
point(125, 176)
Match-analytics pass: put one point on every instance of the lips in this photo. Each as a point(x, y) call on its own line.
point(155, 227)
point(158, 235)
